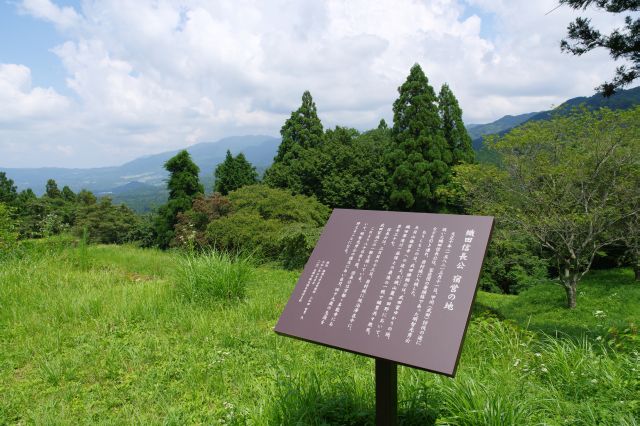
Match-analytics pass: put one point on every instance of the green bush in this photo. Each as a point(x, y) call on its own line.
point(212, 276)
point(296, 244)
point(246, 232)
point(8, 233)
point(279, 204)
point(511, 264)
point(108, 224)
point(271, 224)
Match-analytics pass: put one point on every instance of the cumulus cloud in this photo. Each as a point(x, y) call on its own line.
point(20, 102)
point(151, 75)
point(62, 17)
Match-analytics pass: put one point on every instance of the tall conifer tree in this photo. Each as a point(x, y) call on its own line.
point(183, 185)
point(419, 161)
point(233, 173)
point(456, 135)
point(51, 189)
point(294, 166)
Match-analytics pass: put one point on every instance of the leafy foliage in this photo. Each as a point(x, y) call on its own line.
point(190, 230)
point(107, 224)
point(183, 186)
point(455, 133)
point(233, 173)
point(271, 224)
point(51, 189)
point(564, 183)
point(353, 173)
point(294, 166)
point(8, 190)
point(512, 263)
point(8, 231)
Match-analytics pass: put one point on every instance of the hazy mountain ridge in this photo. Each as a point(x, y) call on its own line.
point(147, 170)
point(476, 131)
point(623, 99)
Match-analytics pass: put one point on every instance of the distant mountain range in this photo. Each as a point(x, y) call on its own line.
point(623, 99)
point(141, 183)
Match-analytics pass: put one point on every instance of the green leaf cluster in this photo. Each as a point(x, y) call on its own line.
point(233, 173)
point(570, 184)
point(183, 185)
point(269, 223)
point(106, 223)
point(399, 168)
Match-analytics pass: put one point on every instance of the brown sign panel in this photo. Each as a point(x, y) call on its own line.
point(391, 285)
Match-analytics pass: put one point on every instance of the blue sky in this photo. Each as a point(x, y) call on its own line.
point(96, 83)
point(28, 41)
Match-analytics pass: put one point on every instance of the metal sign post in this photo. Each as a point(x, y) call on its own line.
point(386, 393)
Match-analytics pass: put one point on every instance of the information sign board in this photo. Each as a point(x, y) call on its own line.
point(391, 285)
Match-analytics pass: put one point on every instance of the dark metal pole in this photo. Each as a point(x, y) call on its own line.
point(386, 393)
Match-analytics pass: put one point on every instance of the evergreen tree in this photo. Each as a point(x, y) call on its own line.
point(295, 166)
point(183, 185)
point(456, 135)
point(25, 196)
point(234, 173)
point(8, 191)
point(302, 130)
point(621, 44)
point(51, 189)
point(382, 125)
point(419, 161)
point(68, 194)
point(86, 197)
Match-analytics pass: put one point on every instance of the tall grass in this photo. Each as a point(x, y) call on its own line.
point(110, 345)
point(212, 276)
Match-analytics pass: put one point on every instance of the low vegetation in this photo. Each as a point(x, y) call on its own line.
point(102, 334)
point(210, 276)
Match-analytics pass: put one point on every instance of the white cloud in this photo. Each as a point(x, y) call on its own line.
point(151, 75)
point(19, 102)
point(62, 17)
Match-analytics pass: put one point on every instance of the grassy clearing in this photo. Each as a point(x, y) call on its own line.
point(106, 340)
point(608, 300)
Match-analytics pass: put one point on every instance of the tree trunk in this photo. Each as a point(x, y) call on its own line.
point(636, 270)
point(570, 288)
point(570, 281)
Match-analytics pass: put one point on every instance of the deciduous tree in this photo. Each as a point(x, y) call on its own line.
point(51, 189)
point(567, 183)
point(8, 191)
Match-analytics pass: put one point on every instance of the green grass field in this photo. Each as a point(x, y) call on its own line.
point(100, 335)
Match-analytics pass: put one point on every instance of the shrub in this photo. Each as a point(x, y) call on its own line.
point(107, 223)
point(279, 204)
point(511, 264)
point(272, 224)
point(212, 276)
point(190, 230)
point(296, 244)
point(246, 232)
